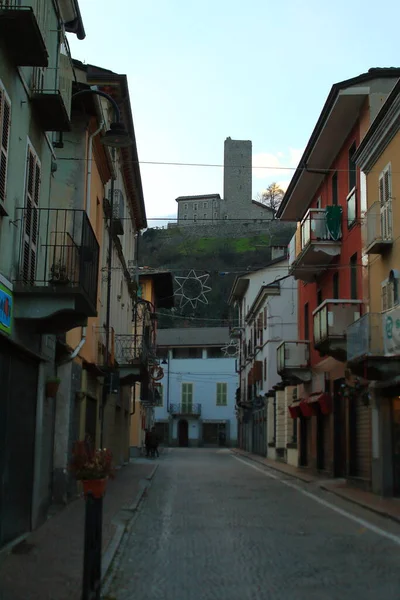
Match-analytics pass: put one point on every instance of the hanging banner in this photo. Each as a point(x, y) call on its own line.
point(6, 308)
point(391, 331)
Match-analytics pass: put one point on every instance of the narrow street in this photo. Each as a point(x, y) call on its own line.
point(216, 526)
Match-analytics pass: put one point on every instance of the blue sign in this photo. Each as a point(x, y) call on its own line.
point(6, 308)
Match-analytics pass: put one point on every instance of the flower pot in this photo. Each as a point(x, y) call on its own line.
point(96, 487)
point(52, 388)
point(325, 404)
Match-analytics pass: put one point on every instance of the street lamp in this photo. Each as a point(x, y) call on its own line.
point(117, 136)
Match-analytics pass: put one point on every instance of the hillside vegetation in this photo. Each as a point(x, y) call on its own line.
point(224, 254)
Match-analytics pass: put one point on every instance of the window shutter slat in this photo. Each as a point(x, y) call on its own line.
point(5, 124)
point(381, 190)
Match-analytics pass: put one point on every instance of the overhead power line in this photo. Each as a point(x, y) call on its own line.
point(323, 170)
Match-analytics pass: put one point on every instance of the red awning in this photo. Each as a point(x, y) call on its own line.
point(294, 410)
point(308, 406)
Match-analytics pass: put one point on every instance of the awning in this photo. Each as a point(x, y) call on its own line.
point(308, 406)
point(294, 410)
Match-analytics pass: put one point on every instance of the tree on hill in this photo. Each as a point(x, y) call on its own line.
point(271, 196)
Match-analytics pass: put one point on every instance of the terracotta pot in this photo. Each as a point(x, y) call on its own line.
point(96, 487)
point(52, 389)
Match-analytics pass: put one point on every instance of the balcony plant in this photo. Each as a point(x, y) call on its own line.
point(92, 467)
point(52, 385)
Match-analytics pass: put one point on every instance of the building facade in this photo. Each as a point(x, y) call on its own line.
point(155, 291)
point(265, 307)
point(35, 106)
point(326, 197)
point(373, 348)
point(237, 202)
point(196, 396)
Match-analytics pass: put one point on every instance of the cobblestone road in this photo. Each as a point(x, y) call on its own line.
point(216, 527)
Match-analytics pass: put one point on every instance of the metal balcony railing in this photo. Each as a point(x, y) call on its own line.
point(58, 248)
point(293, 355)
point(185, 409)
point(315, 227)
point(131, 348)
point(365, 337)
point(100, 340)
point(332, 317)
point(378, 224)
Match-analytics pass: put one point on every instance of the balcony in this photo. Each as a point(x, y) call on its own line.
point(58, 265)
point(373, 345)
point(331, 320)
point(51, 99)
point(118, 211)
point(132, 355)
point(293, 362)
point(20, 32)
point(316, 242)
point(378, 228)
point(185, 410)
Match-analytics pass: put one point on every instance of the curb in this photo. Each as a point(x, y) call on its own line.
point(304, 479)
point(372, 509)
point(324, 487)
point(116, 540)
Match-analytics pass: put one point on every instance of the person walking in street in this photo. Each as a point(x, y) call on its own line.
point(155, 441)
point(147, 442)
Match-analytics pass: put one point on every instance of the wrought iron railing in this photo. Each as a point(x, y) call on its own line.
point(187, 408)
point(130, 348)
point(58, 248)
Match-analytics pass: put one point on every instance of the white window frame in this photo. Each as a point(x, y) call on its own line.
point(221, 392)
point(4, 150)
point(205, 205)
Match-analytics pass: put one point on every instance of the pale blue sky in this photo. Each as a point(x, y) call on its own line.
point(202, 71)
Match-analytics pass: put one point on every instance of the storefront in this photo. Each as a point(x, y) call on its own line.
point(18, 384)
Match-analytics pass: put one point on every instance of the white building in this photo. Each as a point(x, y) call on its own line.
point(196, 406)
point(266, 315)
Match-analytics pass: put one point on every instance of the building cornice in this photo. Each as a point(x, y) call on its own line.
point(379, 137)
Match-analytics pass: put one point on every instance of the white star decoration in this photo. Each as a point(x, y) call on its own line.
point(231, 350)
point(194, 283)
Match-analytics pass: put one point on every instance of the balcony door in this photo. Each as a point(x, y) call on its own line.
point(187, 398)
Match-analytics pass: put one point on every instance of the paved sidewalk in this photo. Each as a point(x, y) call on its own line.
point(387, 507)
point(52, 569)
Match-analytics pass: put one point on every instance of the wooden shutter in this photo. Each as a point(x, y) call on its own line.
point(187, 394)
point(5, 123)
point(222, 394)
point(32, 192)
point(385, 194)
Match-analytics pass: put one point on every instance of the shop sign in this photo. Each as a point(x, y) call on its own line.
point(391, 331)
point(6, 309)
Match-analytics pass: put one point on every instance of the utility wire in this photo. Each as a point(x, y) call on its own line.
point(323, 171)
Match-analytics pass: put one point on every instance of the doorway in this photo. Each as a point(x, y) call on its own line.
point(183, 433)
point(320, 441)
point(303, 441)
point(339, 416)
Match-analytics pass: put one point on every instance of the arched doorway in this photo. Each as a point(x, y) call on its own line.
point(183, 433)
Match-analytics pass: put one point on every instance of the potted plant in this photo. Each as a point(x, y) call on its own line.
point(52, 385)
point(92, 467)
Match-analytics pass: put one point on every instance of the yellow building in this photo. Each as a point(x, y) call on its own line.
point(155, 291)
point(94, 399)
point(374, 340)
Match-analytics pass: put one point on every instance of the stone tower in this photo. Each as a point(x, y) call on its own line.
point(237, 176)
